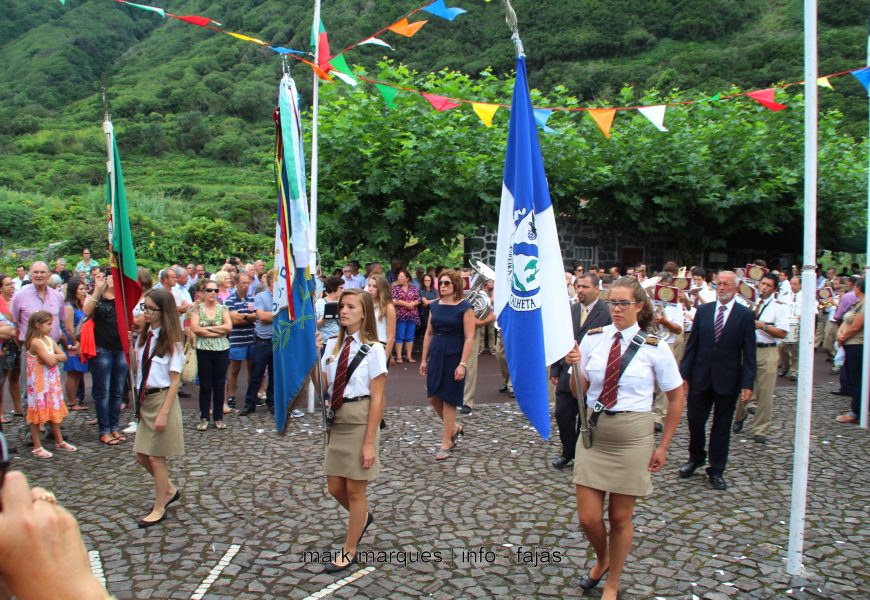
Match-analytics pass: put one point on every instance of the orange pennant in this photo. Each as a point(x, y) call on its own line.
point(407, 29)
point(317, 70)
point(603, 118)
point(766, 98)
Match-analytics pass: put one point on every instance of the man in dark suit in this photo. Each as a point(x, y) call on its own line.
point(588, 313)
point(718, 364)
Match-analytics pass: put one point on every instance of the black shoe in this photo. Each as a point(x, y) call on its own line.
point(143, 524)
point(841, 393)
point(688, 469)
point(587, 583)
point(247, 410)
point(718, 482)
point(503, 389)
point(465, 410)
point(334, 568)
point(231, 401)
point(183, 394)
point(738, 426)
point(561, 462)
point(369, 520)
point(760, 439)
point(175, 498)
point(658, 428)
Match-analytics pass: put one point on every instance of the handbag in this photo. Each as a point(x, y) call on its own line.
point(11, 358)
point(189, 370)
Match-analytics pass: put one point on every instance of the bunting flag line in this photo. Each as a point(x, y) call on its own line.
point(485, 111)
point(439, 9)
point(765, 98)
point(403, 27)
point(294, 353)
point(440, 103)
point(655, 114)
point(542, 115)
point(603, 118)
point(862, 75)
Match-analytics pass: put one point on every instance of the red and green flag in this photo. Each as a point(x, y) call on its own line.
point(121, 252)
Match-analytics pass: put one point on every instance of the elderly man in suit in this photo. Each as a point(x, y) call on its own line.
point(718, 364)
point(587, 313)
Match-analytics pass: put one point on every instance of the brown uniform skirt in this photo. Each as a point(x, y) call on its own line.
point(149, 441)
point(344, 450)
point(618, 460)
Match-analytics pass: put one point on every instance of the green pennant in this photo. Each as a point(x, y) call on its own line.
point(715, 97)
point(340, 64)
point(389, 94)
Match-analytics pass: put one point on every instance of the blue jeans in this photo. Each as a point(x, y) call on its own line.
point(108, 376)
point(405, 331)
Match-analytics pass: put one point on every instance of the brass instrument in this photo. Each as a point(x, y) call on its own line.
point(480, 302)
point(749, 293)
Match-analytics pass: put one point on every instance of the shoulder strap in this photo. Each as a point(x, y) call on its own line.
point(357, 359)
point(636, 342)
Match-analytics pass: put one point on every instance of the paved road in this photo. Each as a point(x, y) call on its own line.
point(470, 527)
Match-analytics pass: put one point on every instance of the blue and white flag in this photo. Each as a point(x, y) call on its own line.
point(531, 298)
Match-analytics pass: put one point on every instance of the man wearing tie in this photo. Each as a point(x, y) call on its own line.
point(718, 364)
point(587, 313)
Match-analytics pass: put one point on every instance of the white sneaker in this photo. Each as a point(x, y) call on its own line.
point(131, 428)
point(297, 414)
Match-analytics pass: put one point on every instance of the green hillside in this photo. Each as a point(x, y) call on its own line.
point(192, 107)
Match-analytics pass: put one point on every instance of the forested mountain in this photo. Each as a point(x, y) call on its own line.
point(193, 106)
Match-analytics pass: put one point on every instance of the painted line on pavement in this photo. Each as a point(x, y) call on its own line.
point(215, 572)
point(340, 584)
point(97, 566)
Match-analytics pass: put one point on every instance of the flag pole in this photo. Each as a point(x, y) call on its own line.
point(312, 235)
point(865, 366)
point(797, 522)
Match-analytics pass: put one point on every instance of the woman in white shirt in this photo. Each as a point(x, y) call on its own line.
point(623, 452)
point(385, 312)
point(358, 404)
point(159, 434)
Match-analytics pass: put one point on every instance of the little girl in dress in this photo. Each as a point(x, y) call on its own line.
point(45, 402)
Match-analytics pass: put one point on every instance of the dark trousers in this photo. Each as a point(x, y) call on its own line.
point(855, 364)
point(700, 404)
point(262, 361)
point(568, 420)
point(844, 377)
point(212, 366)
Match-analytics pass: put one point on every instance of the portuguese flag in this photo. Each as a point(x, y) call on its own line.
point(121, 252)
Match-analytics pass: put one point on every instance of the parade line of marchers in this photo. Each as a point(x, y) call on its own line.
point(522, 555)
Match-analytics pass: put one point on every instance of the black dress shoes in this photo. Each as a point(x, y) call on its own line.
point(246, 411)
point(688, 469)
point(561, 462)
point(143, 524)
point(334, 568)
point(760, 439)
point(738, 426)
point(587, 583)
point(718, 482)
point(369, 520)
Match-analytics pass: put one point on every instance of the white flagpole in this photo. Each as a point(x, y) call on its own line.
point(315, 111)
point(865, 366)
point(797, 521)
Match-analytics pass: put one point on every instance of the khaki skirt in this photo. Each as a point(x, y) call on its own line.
point(618, 461)
point(149, 441)
point(344, 450)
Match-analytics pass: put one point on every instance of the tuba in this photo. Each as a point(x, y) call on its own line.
point(479, 300)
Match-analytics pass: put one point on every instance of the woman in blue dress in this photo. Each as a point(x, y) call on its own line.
point(446, 348)
point(75, 369)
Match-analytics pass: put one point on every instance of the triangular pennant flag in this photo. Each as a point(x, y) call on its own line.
point(824, 82)
point(389, 94)
point(342, 71)
point(863, 75)
point(439, 9)
point(766, 99)
point(603, 118)
point(159, 11)
point(440, 103)
point(715, 97)
point(375, 42)
point(407, 29)
point(542, 115)
point(246, 38)
point(655, 114)
point(283, 50)
point(318, 71)
point(321, 40)
point(485, 112)
point(201, 21)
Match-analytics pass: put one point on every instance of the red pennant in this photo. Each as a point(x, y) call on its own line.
point(440, 102)
point(201, 21)
point(766, 98)
point(323, 53)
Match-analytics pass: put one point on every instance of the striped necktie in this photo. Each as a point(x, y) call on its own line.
point(611, 374)
point(720, 323)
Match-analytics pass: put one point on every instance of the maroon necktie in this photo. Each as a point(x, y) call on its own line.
point(341, 376)
point(719, 324)
point(611, 374)
point(145, 367)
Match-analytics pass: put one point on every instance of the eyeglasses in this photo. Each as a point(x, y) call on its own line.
point(151, 309)
point(620, 304)
point(445, 282)
point(210, 290)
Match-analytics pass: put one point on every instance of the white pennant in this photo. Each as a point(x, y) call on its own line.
point(344, 77)
point(655, 114)
point(375, 42)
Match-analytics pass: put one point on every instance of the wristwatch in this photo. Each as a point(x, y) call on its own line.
point(463, 365)
point(764, 327)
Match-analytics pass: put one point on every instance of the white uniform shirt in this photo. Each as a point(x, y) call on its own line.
point(773, 313)
point(674, 314)
point(181, 297)
point(161, 366)
point(381, 325)
point(705, 294)
point(373, 365)
point(651, 365)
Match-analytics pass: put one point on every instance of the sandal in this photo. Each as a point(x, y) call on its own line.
point(66, 447)
point(110, 441)
point(79, 407)
point(118, 436)
point(410, 360)
point(454, 439)
point(398, 361)
point(442, 454)
point(41, 452)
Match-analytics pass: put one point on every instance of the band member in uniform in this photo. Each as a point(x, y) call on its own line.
point(587, 313)
point(670, 320)
point(159, 358)
point(771, 325)
point(788, 349)
point(355, 372)
point(719, 364)
point(620, 366)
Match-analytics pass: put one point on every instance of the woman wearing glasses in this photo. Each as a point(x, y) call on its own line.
point(623, 452)
point(159, 433)
point(211, 324)
point(446, 348)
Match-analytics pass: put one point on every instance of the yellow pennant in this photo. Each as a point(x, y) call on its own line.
point(824, 82)
point(485, 112)
point(603, 118)
point(246, 38)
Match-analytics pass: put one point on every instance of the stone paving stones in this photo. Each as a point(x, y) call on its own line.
point(472, 516)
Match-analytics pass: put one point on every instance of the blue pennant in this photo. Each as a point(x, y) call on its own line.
point(439, 9)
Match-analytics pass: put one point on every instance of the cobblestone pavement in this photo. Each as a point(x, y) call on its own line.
point(469, 527)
